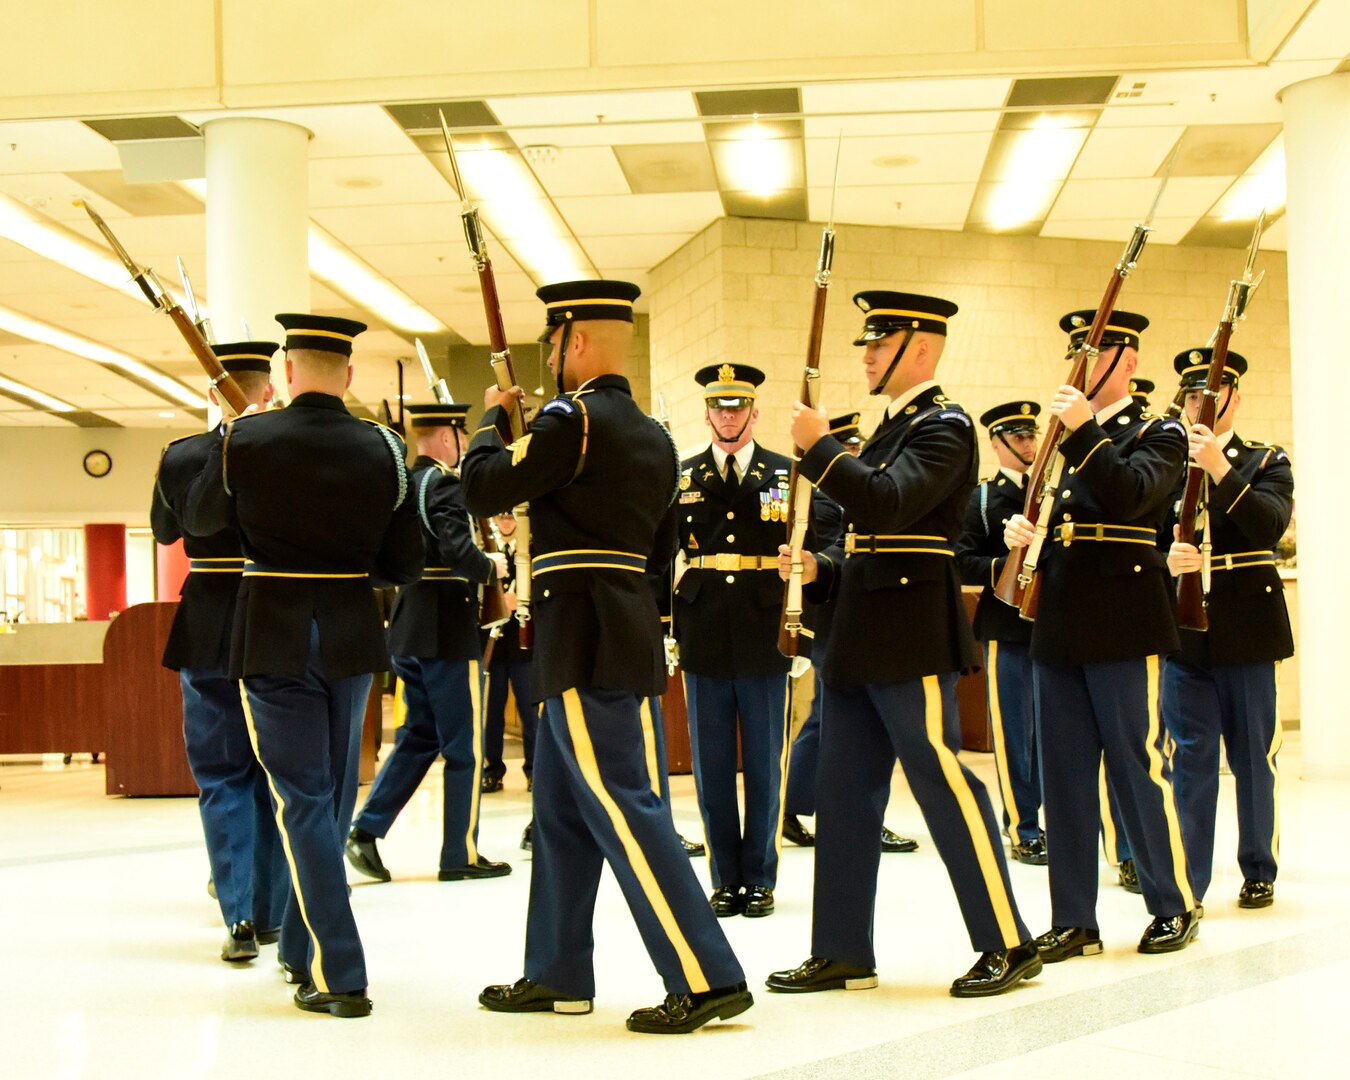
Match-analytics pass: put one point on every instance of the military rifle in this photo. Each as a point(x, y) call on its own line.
point(494, 613)
point(161, 298)
point(505, 374)
point(672, 647)
point(200, 321)
point(799, 487)
point(1193, 587)
point(1018, 584)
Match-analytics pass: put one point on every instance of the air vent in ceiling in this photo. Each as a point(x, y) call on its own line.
point(140, 128)
point(424, 116)
point(785, 99)
point(1053, 93)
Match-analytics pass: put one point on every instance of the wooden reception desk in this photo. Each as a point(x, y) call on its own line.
point(99, 686)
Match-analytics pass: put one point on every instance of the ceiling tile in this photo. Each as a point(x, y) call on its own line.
point(1165, 230)
point(1246, 95)
point(1185, 196)
point(409, 223)
point(367, 181)
point(582, 170)
point(1132, 151)
point(532, 110)
point(894, 160)
point(1324, 34)
point(53, 146)
point(917, 95)
point(913, 123)
point(609, 134)
point(920, 205)
point(595, 216)
point(644, 250)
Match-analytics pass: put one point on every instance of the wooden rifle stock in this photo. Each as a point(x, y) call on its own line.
point(1193, 587)
point(161, 298)
point(1018, 584)
point(505, 374)
point(799, 487)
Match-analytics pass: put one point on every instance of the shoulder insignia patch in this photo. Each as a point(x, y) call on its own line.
point(521, 447)
point(559, 405)
point(1172, 425)
point(954, 414)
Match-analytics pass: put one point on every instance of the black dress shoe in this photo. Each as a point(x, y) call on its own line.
point(995, 972)
point(797, 833)
point(241, 943)
point(352, 1003)
point(483, 868)
point(1032, 852)
point(268, 937)
point(680, 1014)
point(527, 837)
point(364, 856)
point(817, 973)
point(1255, 894)
point(727, 902)
point(1170, 934)
point(692, 849)
point(1063, 942)
point(492, 784)
point(758, 901)
point(526, 996)
point(292, 976)
point(893, 842)
point(1129, 877)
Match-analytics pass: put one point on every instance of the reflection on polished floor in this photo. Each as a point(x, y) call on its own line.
point(111, 965)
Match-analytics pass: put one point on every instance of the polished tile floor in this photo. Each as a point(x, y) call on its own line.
point(110, 970)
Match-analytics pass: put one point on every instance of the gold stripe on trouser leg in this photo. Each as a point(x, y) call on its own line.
point(637, 858)
point(1108, 822)
point(316, 965)
point(649, 745)
point(476, 700)
point(783, 766)
point(698, 794)
point(400, 703)
point(1169, 806)
point(1001, 746)
point(999, 899)
point(1277, 741)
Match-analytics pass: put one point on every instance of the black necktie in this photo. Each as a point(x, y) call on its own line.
point(733, 479)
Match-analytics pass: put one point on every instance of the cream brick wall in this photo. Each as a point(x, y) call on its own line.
point(741, 290)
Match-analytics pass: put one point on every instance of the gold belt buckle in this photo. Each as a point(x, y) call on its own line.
point(1066, 533)
point(850, 541)
point(1228, 562)
point(725, 561)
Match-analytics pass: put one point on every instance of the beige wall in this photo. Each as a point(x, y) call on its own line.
point(741, 291)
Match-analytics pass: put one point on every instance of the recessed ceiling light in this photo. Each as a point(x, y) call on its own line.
point(167, 414)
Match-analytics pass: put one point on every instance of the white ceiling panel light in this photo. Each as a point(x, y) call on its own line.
point(42, 236)
point(1262, 188)
point(1026, 169)
point(37, 397)
point(35, 330)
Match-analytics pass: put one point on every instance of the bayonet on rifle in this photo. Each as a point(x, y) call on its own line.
point(439, 389)
point(200, 321)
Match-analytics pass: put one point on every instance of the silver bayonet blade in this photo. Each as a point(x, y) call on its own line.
point(1254, 247)
point(834, 193)
point(188, 295)
point(427, 369)
point(1168, 167)
point(454, 165)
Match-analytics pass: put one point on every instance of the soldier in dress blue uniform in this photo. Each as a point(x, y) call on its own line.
point(1105, 622)
point(599, 477)
point(731, 516)
point(248, 868)
point(433, 637)
point(1222, 682)
point(827, 521)
point(898, 643)
point(1006, 636)
point(323, 508)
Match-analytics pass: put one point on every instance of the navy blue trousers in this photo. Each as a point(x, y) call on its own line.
point(1012, 719)
point(1107, 709)
point(307, 733)
point(869, 727)
point(756, 708)
point(597, 800)
point(442, 718)
point(804, 761)
point(1237, 702)
point(248, 866)
point(502, 678)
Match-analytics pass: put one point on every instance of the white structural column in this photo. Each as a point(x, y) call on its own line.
point(257, 228)
point(1317, 155)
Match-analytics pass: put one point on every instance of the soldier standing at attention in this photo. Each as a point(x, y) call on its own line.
point(898, 642)
point(730, 518)
point(827, 519)
point(248, 867)
point(1222, 682)
point(433, 636)
point(599, 477)
point(1006, 636)
point(322, 505)
point(1105, 620)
